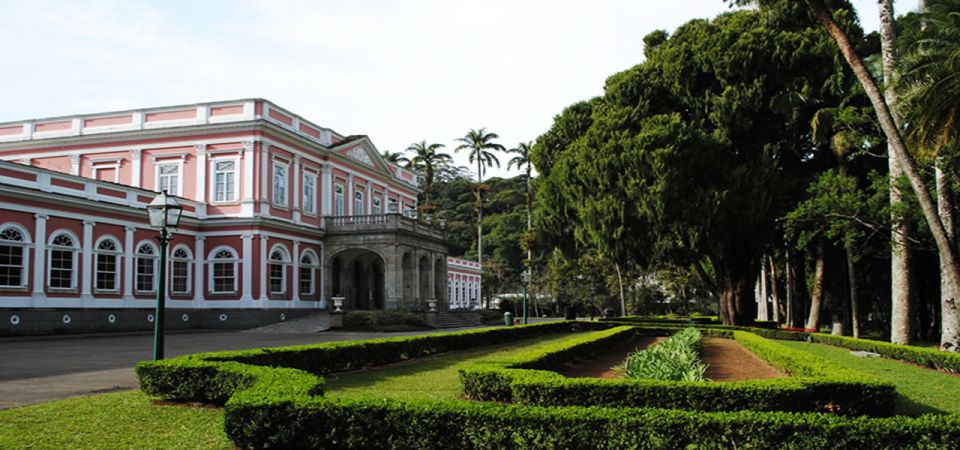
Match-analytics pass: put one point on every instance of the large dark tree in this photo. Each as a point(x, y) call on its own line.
point(690, 157)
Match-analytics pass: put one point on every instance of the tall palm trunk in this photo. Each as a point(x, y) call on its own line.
point(904, 159)
point(480, 223)
point(777, 311)
point(949, 315)
point(900, 299)
point(791, 309)
point(816, 301)
point(854, 300)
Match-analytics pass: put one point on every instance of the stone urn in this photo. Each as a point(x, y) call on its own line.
point(432, 305)
point(337, 304)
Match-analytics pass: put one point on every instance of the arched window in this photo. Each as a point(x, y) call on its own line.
point(279, 260)
point(308, 273)
point(146, 267)
point(13, 256)
point(223, 270)
point(181, 263)
point(63, 261)
point(107, 277)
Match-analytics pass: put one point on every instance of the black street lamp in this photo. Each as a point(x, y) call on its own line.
point(525, 277)
point(164, 212)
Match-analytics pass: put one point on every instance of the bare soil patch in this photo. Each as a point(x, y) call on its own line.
point(601, 365)
point(727, 360)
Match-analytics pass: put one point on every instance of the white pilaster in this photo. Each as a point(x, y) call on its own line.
point(321, 285)
point(86, 258)
point(39, 259)
point(199, 265)
point(247, 205)
point(264, 179)
point(295, 198)
point(201, 190)
point(296, 271)
point(326, 194)
point(264, 289)
point(348, 196)
point(247, 269)
point(75, 164)
point(136, 166)
point(128, 244)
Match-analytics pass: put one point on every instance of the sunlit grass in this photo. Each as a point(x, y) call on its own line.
point(920, 390)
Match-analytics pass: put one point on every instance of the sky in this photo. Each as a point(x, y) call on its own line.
point(399, 71)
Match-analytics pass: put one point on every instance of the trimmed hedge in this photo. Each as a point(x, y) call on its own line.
point(814, 386)
point(329, 423)
point(926, 357)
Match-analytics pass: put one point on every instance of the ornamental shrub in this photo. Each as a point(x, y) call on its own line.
point(675, 359)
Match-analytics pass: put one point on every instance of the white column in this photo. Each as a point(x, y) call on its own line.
point(201, 194)
point(199, 265)
point(247, 205)
point(296, 271)
point(295, 198)
point(86, 258)
point(264, 289)
point(322, 279)
point(247, 269)
point(326, 196)
point(39, 258)
point(348, 196)
point(383, 201)
point(264, 179)
point(136, 167)
point(75, 164)
point(128, 244)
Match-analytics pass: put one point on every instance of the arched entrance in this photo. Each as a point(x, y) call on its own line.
point(358, 276)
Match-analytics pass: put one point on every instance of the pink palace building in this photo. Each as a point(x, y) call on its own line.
point(280, 216)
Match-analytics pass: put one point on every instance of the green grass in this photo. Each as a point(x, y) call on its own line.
point(431, 378)
point(920, 390)
point(117, 420)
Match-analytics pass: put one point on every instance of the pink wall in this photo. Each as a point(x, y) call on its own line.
point(57, 163)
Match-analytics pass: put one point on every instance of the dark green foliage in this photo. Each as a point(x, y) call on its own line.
point(675, 359)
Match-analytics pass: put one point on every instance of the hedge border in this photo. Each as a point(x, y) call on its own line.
point(814, 385)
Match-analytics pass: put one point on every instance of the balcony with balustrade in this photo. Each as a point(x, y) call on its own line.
point(382, 224)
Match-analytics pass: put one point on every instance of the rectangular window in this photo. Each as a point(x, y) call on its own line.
point(61, 269)
point(306, 281)
point(145, 274)
point(168, 178)
point(376, 205)
point(392, 206)
point(278, 282)
point(106, 272)
point(309, 193)
point(224, 277)
point(180, 281)
point(338, 200)
point(224, 180)
point(279, 184)
point(358, 209)
point(11, 265)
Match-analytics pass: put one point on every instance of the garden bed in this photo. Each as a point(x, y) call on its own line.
point(727, 360)
point(602, 364)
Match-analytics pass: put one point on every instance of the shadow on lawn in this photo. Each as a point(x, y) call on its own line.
point(907, 407)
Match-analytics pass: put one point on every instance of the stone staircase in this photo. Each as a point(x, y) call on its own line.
point(313, 323)
point(454, 319)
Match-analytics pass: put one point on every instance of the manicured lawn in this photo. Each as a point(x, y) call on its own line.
point(921, 390)
point(431, 378)
point(112, 421)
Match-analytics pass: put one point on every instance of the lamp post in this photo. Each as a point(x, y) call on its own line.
point(164, 212)
point(525, 277)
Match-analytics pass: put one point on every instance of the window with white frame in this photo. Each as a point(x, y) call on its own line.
point(181, 262)
point(168, 177)
point(63, 261)
point(392, 206)
point(225, 180)
point(279, 260)
point(280, 183)
point(13, 257)
point(107, 275)
point(309, 193)
point(146, 268)
point(376, 206)
point(223, 270)
point(358, 201)
point(338, 200)
point(308, 273)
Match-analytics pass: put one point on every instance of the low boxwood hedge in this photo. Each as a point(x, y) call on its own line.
point(926, 357)
point(814, 385)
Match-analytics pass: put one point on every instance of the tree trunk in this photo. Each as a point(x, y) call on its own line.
point(774, 289)
point(900, 299)
point(762, 313)
point(895, 141)
point(480, 224)
point(854, 301)
point(816, 301)
point(791, 310)
point(623, 300)
point(949, 314)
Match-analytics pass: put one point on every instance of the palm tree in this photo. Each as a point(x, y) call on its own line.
point(930, 85)
point(522, 161)
point(481, 146)
point(394, 157)
point(426, 160)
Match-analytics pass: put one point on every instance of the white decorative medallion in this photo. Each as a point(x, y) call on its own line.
point(359, 154)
